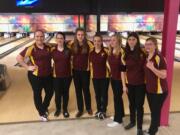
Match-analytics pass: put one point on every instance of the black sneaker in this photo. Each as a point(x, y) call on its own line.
point(102, 116)
point(66, 114)
point(97, 115)
point(57, 113)
point(129, 126)
point(47, 112)
point(44, 118)
point(79, 114)
point(140, 132)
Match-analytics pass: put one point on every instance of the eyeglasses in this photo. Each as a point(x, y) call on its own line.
point(59, 38)
point(149, 44)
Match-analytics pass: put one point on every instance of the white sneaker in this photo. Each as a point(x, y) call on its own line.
point(112, 117)
point(113, 124)
point(43, 118)
point(145, 132)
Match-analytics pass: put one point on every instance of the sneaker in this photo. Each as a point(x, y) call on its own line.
point(90, 112)
point(97, 115)
point(102, 116)
point(66, 114)
point(129, 126)
point(112, 117)
point(57, 113)
point(113, 124)
point(79, 114)
point(146, 132)
point(43, 118)
point(47, 112)
point(140, 132)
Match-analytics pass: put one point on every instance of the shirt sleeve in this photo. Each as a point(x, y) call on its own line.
point(123, 68)
point(90, 57)
point(162, 64)
point(23, 52)
point(123, 63)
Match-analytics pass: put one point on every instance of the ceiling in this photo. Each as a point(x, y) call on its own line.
point(85, 6)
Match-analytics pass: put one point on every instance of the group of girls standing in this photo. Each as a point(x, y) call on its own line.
point(132, 69)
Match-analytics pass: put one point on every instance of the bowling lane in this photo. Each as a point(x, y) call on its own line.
point(178, 37)
point(53, 40)
point(4, 40)
point(1, 38)
point(160, 38)
point(10, 60)
point(13, 44)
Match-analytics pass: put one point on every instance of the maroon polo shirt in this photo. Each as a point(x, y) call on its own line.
point(39, 57)
point(81, 60)
point(62, 63)
point(98, 66)
point(116, 65)
point(155, 84)
point(135, 69)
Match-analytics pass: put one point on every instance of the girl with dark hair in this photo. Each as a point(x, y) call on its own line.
point(81, 48)
point(61, 56)
point(100, 75)
point(156, 83)
point(134, 59)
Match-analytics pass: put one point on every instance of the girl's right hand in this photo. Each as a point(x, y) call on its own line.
point(32, 68)
point(125, 89)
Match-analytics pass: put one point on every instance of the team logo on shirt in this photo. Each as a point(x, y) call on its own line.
point(141, 55)
point(102, 54)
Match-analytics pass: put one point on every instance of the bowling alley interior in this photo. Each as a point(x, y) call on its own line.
point(19, 19)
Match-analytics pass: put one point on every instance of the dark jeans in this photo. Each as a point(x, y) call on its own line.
point(81, 82)
point(61, 87)
point(155, 104)
point(118, 101)
point(136, 96)
point(38, 84)
point(101, 90)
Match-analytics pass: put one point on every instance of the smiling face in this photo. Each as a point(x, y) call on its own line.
point(39, 37)
point(150, 46)
point(132, 41)
point(97, 42)
point(80, 35)
point(59, 39)
point(114, 42)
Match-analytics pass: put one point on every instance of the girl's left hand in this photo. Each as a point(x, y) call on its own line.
point(150, 65)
